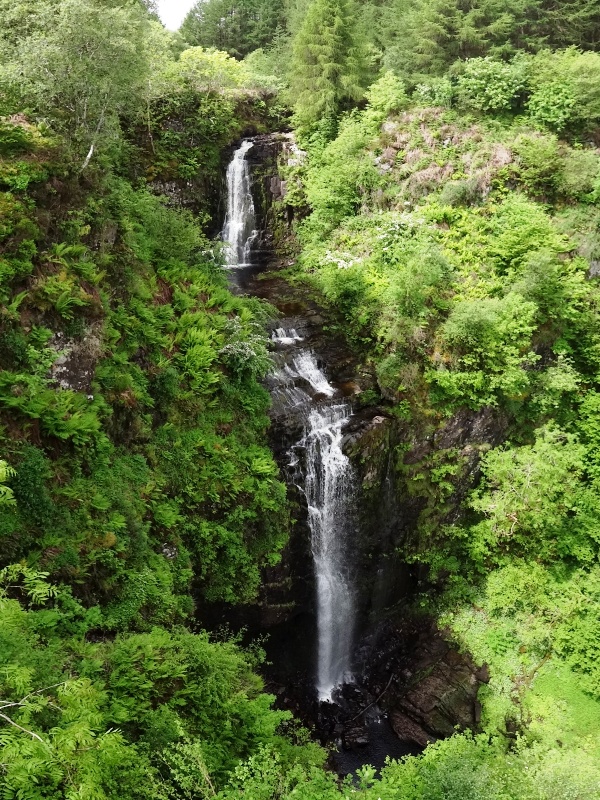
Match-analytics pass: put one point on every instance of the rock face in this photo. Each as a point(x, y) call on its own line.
point(268, 188)
point(76, 363)
point(425, 685)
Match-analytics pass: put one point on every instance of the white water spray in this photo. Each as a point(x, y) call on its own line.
point(327, 483)
point(285, 338)
point(328, 488)
point(239, 231)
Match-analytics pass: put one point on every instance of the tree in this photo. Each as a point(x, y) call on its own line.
point(236, 26)
point(85, 68)
point(428, 36)
point(327, 64)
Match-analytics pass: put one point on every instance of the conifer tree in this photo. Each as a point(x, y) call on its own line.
point(327, 63)
point(236, 26)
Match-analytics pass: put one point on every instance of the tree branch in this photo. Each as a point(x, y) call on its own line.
point(21, 728)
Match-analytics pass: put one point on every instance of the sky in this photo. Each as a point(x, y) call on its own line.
point(172, 12)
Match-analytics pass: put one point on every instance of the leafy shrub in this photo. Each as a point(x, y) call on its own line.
point(565, 89)
point(534, 502)
point(343, 177)
point(436, 92)
point(387, 95)
point(14, 139)
point(208, 70)
point(490, 340)
point(552, 105)
point(460, 193)
point(518, 228)
point(580, 173)
point(488, 85)
point(539, 162)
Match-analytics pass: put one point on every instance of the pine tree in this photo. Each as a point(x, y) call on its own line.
point(327, 63)
point(236, 26)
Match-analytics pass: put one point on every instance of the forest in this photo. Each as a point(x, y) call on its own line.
point(445, 211)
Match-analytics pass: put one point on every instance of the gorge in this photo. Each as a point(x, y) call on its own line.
point(317, 462)
point(312, 419)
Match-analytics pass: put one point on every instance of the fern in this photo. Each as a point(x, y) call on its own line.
point(6, 494)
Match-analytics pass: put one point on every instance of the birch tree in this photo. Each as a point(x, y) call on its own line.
point(85, 70)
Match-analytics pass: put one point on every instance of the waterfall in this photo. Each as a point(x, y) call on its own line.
point(328, 489)
point(300, 389)
point(239, 231)
point(324, 475)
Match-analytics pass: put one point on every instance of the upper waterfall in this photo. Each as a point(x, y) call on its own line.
point(239, 231)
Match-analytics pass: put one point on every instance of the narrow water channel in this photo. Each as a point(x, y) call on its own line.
point(315, 410)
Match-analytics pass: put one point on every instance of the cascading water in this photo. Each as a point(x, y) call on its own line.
point(239, 231)
point(300, 388)
point(309, 417)
point(326, 480)
point(328, 489)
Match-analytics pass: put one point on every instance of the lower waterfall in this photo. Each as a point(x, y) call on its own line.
point(328, 489)
point(324, 476)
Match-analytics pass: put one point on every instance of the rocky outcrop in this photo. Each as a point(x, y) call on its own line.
point(76, 360)
point(422, 682)
point(267, 188)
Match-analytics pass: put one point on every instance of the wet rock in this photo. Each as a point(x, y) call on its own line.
point(407, 730)
point(431, 688)
point(355, 737)
point(487, 426)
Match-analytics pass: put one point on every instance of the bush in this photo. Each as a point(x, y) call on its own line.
point(538, 162)
point(436, 92)
point(566, 89)
point(489, 85)
point(13, 139)
point(579, 173)
point(552, 106)
point(387, 94)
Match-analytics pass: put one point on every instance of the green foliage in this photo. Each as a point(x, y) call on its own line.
point(344, 176)
point(6, 493)
point(533, 502)
point(88, 62)
point(387, 94)
point(435, 92)
point(490, 342)
point(13, 139)
point(327, 64)
point(144, 713)
point(488, 85)
point(425, 38)
point(565, 89)
point(236, 26)
point(203, 70)
point(539, 163)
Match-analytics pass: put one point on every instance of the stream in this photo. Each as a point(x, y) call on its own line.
point(313, 407)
